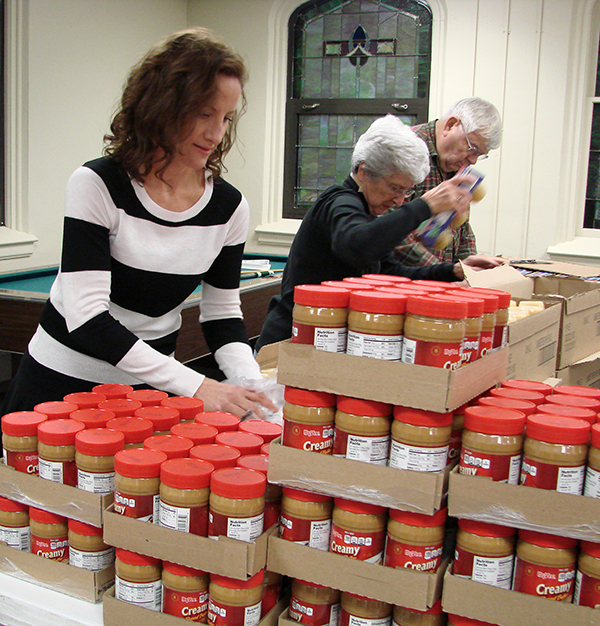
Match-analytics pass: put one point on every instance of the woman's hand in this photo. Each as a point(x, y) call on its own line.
point(232, 399)
point(450, 196)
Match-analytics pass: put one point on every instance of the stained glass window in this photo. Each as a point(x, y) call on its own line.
point(350, 62)
point(591, 217)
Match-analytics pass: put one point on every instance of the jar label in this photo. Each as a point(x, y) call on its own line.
point(314, 438)
point(416, 458)
point(313, 614)
point(53, 549)
point(326, 339)
point(555, 583)
point(19, 538)
point(486, 342)
point(190, 605)
point(146, 595)
point(470, 349)
point(364, 546)
point(64, 472)
point(592, 483)
point(373, 450)
point(423, 558)
point(495, 571)
point(242, 528)
point(224, 615)
point(26, 462)
point(502, 468)
point(346, 619)
point(455, 445)
point(93, 561)
point(192, 520)
point(432, 353)
point(587, 590)
point(385, 347)
point(311, 533)
point(554, 477)
point(138, 507)
point(102, 483)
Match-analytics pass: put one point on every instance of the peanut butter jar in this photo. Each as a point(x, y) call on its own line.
point(500, 338)
point(20, 441)
point(456, 433)
point(113, 390)
point(221, 420)
point(92, 417)
point(121, 407)
point(216, 454)
point(233, 602)
point(187, 407)
point(271, 592)
point(434, 616)
point(267, 430)
point(95, 450)
point(488, 322)
point(56, 449)
point(306, 518)
point(185, 592)
point(85, 399)
point(138, 579)
point(135, 430)
point(528, 385)
point(163, 418)
point(174, 447)
point(368, 612)
point(587, 581)
point(87, 548)
point(198, 434)
point(260, 463)
point(308, 418)
point(592, 475)
point(314, 605)
point(14, 525)
point(471, 348)
point(49, 535)
point(246, 443)
point(55, 409)
point(148, 397)
point(569, 400)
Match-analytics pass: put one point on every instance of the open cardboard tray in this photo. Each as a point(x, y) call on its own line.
point(480, 498)
point(493, 605)
point(54, 497)
point(404, 587)
point(116, 613)
point(61, 577)
point(417, 386)
point(225, 556)
point(420, 492)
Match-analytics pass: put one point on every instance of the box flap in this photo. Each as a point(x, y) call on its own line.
point(528, 326)
point(558, 267)
point(502, 277)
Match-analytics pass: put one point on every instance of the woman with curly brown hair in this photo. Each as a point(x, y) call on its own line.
point(144, 225)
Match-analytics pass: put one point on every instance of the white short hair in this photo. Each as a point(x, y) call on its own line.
point(391, 147)
point(478, 116)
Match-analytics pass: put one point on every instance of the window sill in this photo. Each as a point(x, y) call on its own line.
point(582, 250)
point(279, 233)
point(15, 244)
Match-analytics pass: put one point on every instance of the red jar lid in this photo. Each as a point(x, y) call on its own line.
point(22, 423)
point(358, 507)
point(420, 417)
point(99, 441)
point(578, 390)
point(238, 482)
point(484, 529)
point(504, 297)
point(433, 283)
point(174, 447)
point(547, 541)
point(182, 570)
point(186, 473)
point(304, 496)
point(557, 429)
point(113, 390)
point(246, 443)
point(520, 394)
point(368, 408)
point(452, 309)
point(419, 519)
point(222, 421)
point(318, 295)
point(371, 282)
point(340, 284)
point(11, 506)
point(84, 529)
point(591, 548)
point(569, 411)
point(265, 448)
point(475, 306)
point(216, 454)
point(59, 432)
point(383, 302)
point(121, 407)
point(257, 462)
point(85, 399)
point(490, 301)
point(163, 418)
point(133, 558)
point(595, 430)
point(460, 620)
point(509, 403)
point(580, 401)
point(422, 290)
point(304, 397)
point(234, 583)
point(139, 462)
point(188, 407)
point(56, 410)
point(45, 517)
point(527, 385)
point(494, 421)
point(267, 430)
point(92, 417)
point(148, 397)
point(194, 431)
point(389, 278)
point(134, 429)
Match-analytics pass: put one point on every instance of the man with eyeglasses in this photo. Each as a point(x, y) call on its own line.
point(463, 136)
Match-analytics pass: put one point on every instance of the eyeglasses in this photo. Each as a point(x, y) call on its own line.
point(396, 189)
point(474, 150)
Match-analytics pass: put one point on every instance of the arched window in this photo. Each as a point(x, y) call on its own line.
point(350, 61)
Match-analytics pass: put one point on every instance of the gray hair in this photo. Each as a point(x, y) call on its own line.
point(390, 147)
point(478, 116)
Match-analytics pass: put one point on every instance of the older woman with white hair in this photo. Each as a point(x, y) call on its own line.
point(349, 230)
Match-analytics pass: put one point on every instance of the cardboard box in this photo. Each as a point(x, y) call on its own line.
point(585, 372)
point(225, 556)
point(420, 492)
point(405, 587)
point(60, 499)
point(116, 613)
point(62, 577)
point(480, 498)
point(463, 596)
point(417, 386)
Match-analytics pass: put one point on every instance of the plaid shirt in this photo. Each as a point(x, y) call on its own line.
point(410, 251)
